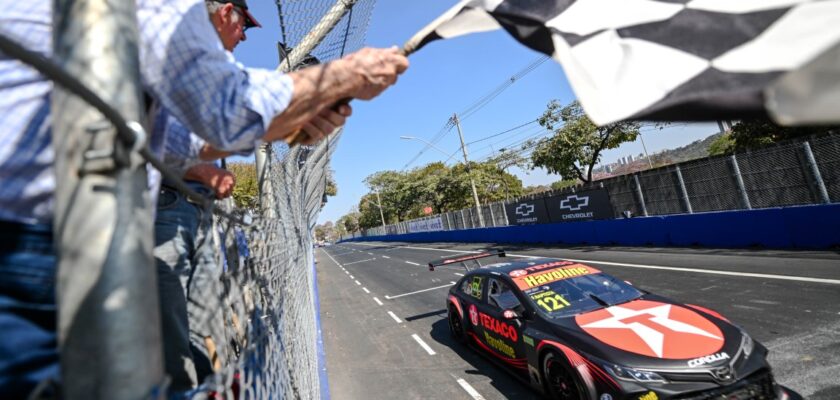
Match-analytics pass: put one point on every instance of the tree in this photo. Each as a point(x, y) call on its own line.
point(246, 191)
point(562, 184)
point(724, 144)
point(755, 133)
point(577, 143)
point(331, 188)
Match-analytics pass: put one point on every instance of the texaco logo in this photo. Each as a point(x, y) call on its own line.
point(473, 314)
point(653, 329)
point(518, 272)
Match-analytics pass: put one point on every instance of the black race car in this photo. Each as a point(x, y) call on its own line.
point(574, 332)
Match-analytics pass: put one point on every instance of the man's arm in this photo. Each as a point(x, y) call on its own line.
point(220, 180)
point(186, 69)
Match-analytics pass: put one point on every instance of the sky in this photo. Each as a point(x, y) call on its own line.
point(444, 78)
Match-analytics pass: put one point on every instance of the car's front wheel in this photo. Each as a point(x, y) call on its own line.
point(456, 326)
point(561, 381)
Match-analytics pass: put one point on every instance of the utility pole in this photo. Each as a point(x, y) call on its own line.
point(650, 163)
point(379, 203)
point(469, 170)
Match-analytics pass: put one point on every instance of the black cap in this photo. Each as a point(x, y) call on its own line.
point(250, 21)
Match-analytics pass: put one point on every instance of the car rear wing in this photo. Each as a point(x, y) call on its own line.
point(463, 259)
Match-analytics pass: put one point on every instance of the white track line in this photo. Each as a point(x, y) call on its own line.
point(333, 259)
point(385, 257)
point(423, 344)
point(412, 263)
point(370, 254)
point(660, 267)
point(418, 291)
point(395, 317)
point(352, 277)
point(470, 390)
point(347, 272)
point(377, 301)
point(365, 289)
point(356, 262)
point(459, 274)
point(358, 283)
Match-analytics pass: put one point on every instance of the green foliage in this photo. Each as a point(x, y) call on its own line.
point(724, 144)
point(562, 184)
point(755, 133)
point(246, 191)
point(576, 146)
point(332, 188)
point(404, 195)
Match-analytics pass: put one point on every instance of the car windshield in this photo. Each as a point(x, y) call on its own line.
point(573, 295)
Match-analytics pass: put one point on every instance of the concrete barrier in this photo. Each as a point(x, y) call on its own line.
point(806, 227)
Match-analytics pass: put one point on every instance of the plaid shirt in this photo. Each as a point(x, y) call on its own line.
point(183, 66)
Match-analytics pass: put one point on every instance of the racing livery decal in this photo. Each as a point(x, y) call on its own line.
point(473, 315)
point(556, 274)
point(518, 363)
point(710, 359)
point(457, 304)
point(653, 329)
point(494, 325)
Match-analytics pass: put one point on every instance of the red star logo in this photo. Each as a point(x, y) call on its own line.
point(653, 329)
point(473, 314)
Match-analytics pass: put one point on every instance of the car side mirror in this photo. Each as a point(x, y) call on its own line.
point(629, 283)
point(511, 315)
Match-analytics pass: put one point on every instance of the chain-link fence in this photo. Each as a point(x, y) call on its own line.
point(786, 174)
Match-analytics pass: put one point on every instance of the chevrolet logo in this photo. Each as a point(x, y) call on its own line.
point(525, 209)
point(574, 203)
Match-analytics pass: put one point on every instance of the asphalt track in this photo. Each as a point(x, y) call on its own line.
point(386, 336)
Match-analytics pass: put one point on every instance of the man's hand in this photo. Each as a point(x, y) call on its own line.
point(325, 123)
point(378, 67)
point(220, 180)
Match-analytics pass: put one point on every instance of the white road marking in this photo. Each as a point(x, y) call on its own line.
point(451, 282)
point(352, 277)
point(459, 274)
point(385, 257)
point(333, 259)
point(418, 291)
point(395, 317)
point(370, 254)
point(347, 272)
point(412, 263)
point(377, 301)
point(356, 262)
point(423, 345)
point(365, 289)
point(357, 282)
point(660, 267)
point(470, 390)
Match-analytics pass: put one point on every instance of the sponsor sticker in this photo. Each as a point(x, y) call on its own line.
point(553, 275)
point(499, 327)
point(518, 272)
point(528, 340)
point(712, 358)
point(499, 345)
point(653, 329)
point(549, 300)
point(473, 315)
point(649, 396)
point(475, 286)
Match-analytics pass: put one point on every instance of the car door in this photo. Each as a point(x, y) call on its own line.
point(500, 336)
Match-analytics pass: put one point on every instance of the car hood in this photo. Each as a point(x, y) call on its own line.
point(654, 333)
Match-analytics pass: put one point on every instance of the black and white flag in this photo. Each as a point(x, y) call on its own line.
point(675, 59)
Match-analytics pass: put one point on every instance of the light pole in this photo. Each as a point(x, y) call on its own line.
point(378, 204)
point(466, 163)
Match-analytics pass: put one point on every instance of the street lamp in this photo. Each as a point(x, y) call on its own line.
point(457, 123)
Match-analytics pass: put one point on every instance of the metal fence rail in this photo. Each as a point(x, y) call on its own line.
point(786, 174)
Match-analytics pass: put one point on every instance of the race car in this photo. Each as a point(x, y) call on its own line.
point(574, 332)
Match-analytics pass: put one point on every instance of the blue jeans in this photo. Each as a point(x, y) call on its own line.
point(188, 287)
point(28, 343)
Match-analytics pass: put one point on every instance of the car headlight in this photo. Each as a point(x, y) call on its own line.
point(630, 374)
point(747, 344)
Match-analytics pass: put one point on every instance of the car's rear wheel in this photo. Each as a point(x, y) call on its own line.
point(561, 381)
point(456, 326)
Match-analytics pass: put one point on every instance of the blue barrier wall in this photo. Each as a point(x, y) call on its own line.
point(811, 227)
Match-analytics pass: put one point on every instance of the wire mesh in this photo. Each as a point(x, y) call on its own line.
point(777, 176)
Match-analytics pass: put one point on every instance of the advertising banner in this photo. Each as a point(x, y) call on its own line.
point(580, 206)
point(426, 225)
point(527, 212)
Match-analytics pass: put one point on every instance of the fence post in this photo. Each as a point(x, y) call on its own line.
point(448, 222)
point(816, 177)
point(742, 189)
point(640, 196)
point(683, 191)
point(504, 213)
point(492, 217)
point(108, 324)
point(463, 220)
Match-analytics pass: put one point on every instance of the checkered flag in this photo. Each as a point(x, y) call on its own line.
point(675, 59)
